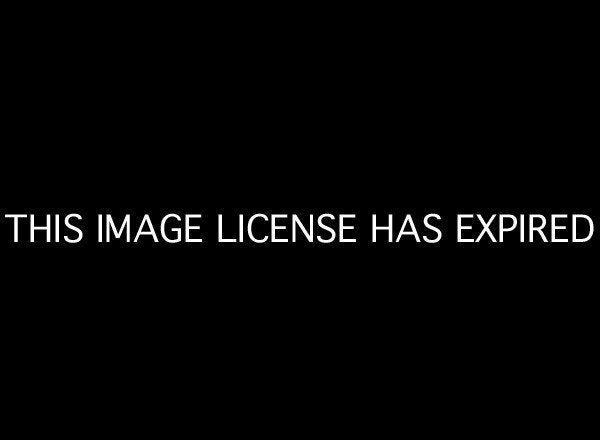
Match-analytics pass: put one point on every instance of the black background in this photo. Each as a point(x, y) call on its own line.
point(386, 112)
